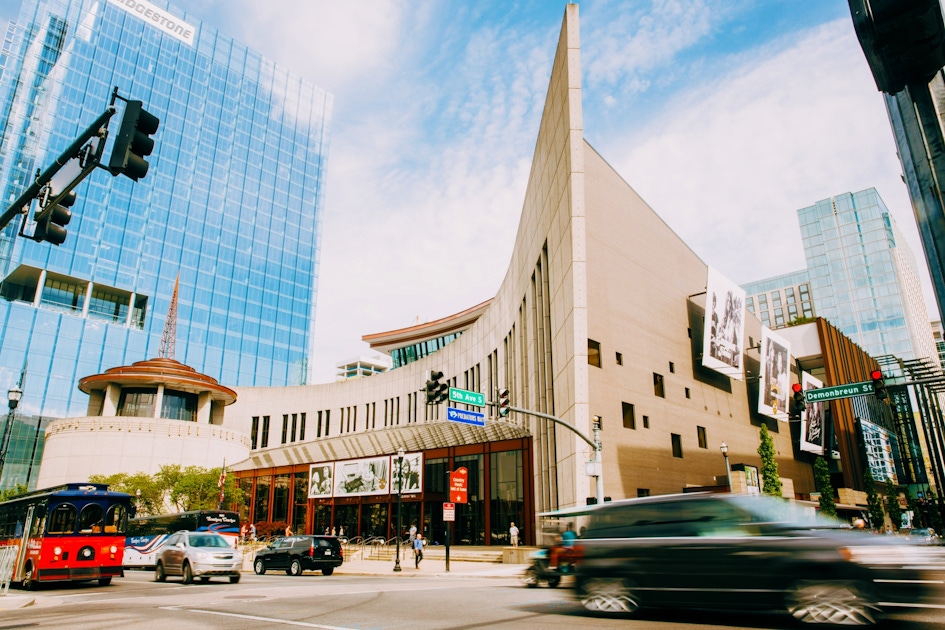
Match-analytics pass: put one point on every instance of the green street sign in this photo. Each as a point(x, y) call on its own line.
point(467, 398)
point(838, 391)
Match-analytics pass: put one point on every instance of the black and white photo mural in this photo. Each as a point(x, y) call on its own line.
point(724, 325)
point(362, 476)
point(412, 473)
point(812, 420)
point(319, 480)
point(774, 384)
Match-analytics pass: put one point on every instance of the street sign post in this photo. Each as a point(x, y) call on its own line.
point(466, 417)
point(838, 391)
point(449, 512)
point(467, 397)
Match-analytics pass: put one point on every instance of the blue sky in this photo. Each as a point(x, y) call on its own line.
point(726, 116)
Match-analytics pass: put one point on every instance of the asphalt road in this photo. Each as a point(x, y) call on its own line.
point(414, 602)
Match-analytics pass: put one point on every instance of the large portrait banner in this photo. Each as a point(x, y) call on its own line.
point(411, 472)
point(319, 480)
point(724, 325)
point(812, 420)
point(359, 477)
point(775, 375)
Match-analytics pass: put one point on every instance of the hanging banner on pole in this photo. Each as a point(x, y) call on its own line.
point(459, 483)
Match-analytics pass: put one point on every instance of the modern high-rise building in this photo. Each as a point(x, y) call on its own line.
point(862, 278)
point(232, 205)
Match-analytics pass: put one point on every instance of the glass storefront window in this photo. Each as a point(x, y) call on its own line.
point(300, 502)
point(261, 503)
point(507, 495)
point(137, 402)
point(177, 405)
point(280, 499)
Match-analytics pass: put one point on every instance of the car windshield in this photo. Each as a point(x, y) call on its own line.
point(208, 540)
point(765, 509)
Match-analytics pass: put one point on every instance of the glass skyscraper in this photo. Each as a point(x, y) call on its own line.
point(862, 277)
point(232, 204)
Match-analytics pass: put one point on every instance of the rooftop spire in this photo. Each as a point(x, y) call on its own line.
point(169, 338)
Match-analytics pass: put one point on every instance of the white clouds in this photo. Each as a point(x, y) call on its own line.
point(730, 161)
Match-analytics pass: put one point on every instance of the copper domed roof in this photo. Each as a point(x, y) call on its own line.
point(168, 372)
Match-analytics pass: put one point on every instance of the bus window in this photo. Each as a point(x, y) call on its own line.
point(39, 521)
point(62, 520)
point(116, 519)
point(91, 519)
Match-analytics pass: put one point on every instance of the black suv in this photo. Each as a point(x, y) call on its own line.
point(727, 551)
point(301, 553)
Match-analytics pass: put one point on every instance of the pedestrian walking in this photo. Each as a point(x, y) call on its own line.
point(413, 534)
point(252, 532)
point(513, 535)
point(417, 550)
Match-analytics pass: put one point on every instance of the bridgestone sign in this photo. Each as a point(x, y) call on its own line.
point(838, 391)
point(158, 18)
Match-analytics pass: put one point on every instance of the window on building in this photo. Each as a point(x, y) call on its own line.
point(646, 422)
point(672, 367)
point(763, 302)
point(619, 359)
point(688, 393)
point(137, 402)
point(750, 304)
point(302, 427)
point(643, 492)
point(593, 353)
point(703, 443)
point(677, 444)
point(658, 385)
point(804, 291)
point(254, 433)
point(789, 293)
point(776, 298)
point(629, 419)
point(765, 318)
point(176, 405)
point(295, 426)
point(264, 442)
point(285, 427)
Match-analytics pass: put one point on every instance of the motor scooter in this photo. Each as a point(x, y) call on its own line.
point(542, 570)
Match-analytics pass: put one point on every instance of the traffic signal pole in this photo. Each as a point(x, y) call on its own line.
point(595, 443)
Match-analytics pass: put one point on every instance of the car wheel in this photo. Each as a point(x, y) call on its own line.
point(159, 574)
point(259, 566)
point(554, 582)
point(104, 581)
point(328, 570)
point(837, 602)
point(530, 578)
point(608, 595)
point(234, 579)
point(187, 574)
point(28, 583)
point(295, 568)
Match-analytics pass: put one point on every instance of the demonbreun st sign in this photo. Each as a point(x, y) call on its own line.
point(838, 391)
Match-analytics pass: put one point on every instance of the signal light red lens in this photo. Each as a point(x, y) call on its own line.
point(796, 388)
point(876, 375)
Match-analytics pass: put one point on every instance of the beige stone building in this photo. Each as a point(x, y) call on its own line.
point(600, 315)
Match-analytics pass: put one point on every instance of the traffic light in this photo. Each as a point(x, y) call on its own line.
point(879, 385)
point(798, 404)
point(436, 391)
point(133, 142)
point(504, 403)
point(51, 221)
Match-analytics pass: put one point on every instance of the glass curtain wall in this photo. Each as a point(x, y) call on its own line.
point(507, 495)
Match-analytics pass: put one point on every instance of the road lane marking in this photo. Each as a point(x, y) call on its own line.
point(286, 622)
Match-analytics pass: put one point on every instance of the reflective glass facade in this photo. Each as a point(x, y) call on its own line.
point(863, 275)
point(232, 204)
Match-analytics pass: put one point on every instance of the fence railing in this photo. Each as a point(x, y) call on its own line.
point(7, 563)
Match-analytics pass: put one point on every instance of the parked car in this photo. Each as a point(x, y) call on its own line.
point(198, 554)
point(728, 551)
point(925, 536)
point(295, 554)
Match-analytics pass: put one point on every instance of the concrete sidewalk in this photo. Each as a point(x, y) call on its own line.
point(435, 565)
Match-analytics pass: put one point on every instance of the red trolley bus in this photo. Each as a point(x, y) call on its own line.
point(70, 532)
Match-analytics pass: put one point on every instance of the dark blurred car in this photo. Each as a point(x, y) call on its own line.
point(725, 551)
point(924, 536)
point(301, 553)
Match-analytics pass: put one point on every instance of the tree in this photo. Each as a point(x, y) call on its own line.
point(873, 502)
point(14, 492)
point(771, 480)
point(152, 498)
point(824, 487)
point(892, 504)
point(174, 490)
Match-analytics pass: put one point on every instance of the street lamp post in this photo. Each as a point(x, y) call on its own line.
point(13, 399)
point(728, 470)
point(400, 492)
